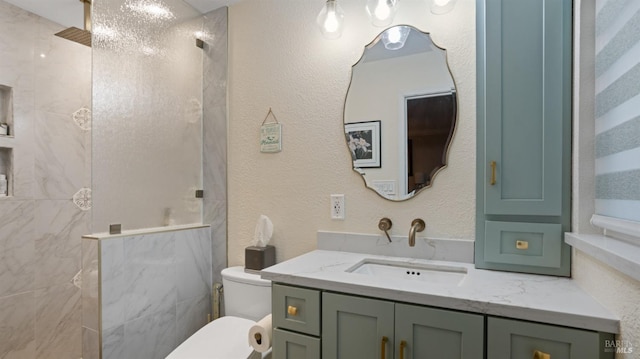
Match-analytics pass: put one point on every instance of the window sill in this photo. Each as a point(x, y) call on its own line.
point(622, 255)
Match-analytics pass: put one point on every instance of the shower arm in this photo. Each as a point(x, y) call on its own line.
point(87, 14)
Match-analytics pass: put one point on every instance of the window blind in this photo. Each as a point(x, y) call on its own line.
point(617, 109)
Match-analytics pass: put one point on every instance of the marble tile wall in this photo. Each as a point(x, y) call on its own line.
point(90, 300)
point(154, 292)
point(215, 135)
point(40, 226)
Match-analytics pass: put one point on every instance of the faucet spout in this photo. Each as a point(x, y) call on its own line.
point(416, 226)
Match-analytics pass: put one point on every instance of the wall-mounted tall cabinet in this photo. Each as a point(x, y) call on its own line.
point(524, 57)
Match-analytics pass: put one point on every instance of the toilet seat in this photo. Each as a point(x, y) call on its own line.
point(223, 338)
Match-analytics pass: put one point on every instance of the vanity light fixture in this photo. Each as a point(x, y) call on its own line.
point(381, 12)
point(395, 37)
point(440, 7)
point(330, 20)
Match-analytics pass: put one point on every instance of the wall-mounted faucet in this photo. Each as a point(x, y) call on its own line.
point(385, 225)
point(416, 226)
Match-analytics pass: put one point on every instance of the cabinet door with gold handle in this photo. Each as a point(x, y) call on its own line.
point(540, 355)
point(430, 333)
point(355, 327)
point(517, 339)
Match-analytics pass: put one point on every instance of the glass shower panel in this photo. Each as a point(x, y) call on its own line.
point(147, 114)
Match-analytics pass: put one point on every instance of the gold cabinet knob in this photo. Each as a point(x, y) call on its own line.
point(291, 310)
point(540, 355)
point(522, 245)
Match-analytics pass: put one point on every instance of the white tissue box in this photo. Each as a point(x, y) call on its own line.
point(259, 258)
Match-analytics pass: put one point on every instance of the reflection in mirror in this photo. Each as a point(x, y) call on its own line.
point(400, 112)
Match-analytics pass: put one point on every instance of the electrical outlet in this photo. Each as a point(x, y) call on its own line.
point(337, 206)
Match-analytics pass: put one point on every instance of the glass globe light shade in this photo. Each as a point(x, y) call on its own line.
point(330, 20)
point(381, 12)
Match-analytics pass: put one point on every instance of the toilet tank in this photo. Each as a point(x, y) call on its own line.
point(246, 295)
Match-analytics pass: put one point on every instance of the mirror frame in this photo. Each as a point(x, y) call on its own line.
point(447, 148)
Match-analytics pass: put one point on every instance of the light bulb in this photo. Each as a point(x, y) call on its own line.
point(394, 38)
point(330, 20)
point(394, 34)
point(381, 12)
point(440, 7)
point(331, 23)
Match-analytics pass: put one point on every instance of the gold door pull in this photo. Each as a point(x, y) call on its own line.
point(383, 347)
point(292, 311)
point(403, 344)
point(493, 173)
point(540, 355)
point(522, 245)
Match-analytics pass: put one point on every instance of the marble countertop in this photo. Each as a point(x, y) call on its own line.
point(538, 298)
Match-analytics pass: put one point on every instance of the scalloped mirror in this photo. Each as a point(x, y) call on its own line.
point(400, 113)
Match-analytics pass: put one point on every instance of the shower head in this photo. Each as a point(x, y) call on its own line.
point(77, 35)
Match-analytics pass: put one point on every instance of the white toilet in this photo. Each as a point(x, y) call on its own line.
point(247, 299)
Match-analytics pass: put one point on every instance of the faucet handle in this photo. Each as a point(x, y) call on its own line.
point(385, 225)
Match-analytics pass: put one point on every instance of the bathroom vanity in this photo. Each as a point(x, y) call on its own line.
point(332, 304)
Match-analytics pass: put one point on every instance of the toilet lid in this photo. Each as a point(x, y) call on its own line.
point(224, 338)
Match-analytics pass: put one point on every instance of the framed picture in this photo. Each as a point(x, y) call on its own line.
point(270, 138)
point(363, 139)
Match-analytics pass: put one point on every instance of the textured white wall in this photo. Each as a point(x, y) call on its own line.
point(279, 59)
point(617, 292)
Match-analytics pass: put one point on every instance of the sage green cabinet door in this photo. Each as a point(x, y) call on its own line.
point(527, 104)
point(290, 345)
point(431, 333)
point(513, 339)
point(356, 328)
point(523, 168)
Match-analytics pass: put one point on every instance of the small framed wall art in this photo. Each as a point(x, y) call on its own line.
point(270, 134)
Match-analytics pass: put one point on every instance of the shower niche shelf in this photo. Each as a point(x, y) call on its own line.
point(6, 168)
point(6, 111)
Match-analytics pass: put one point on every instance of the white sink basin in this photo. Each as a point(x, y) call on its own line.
point(430, 273)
